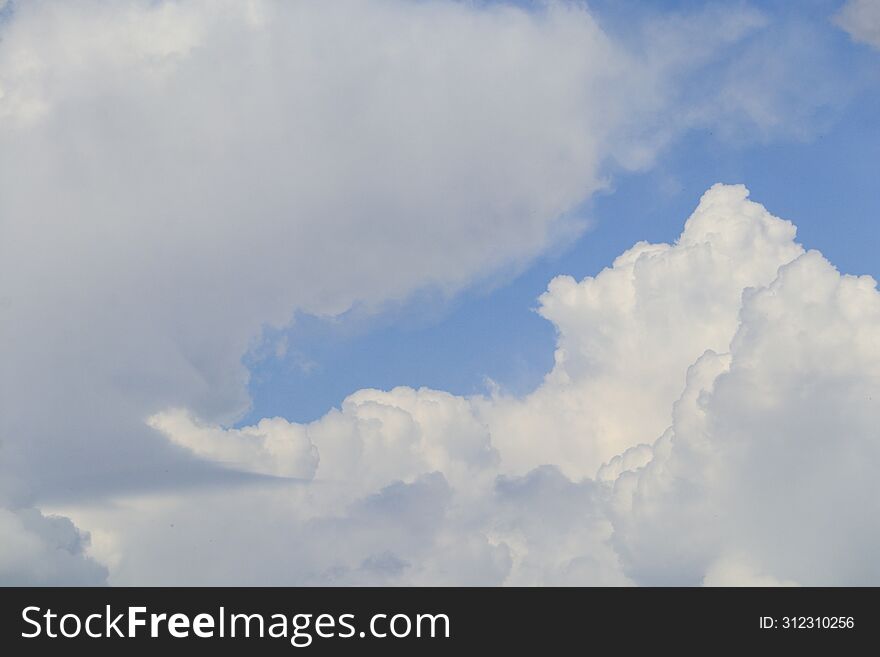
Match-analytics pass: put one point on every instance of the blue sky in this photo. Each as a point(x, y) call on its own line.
point(824, 178)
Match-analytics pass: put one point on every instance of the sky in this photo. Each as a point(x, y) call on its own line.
point(439, 292)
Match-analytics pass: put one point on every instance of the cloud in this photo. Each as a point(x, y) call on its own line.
point(44, 551)
point(628, 335)
point(180, 175)
point(626, 338)
point(177, 176)
point(861, 19)
point(728, 571)
point(763, 472)
point(408, 491)
point(273, 447)
point(772, 453)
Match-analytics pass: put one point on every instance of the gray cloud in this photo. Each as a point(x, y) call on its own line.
point(44, 551)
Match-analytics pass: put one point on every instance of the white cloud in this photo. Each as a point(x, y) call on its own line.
point(407, 492)
point(628, 335)
point(861, 19)
point(771, 458)
point(375, 439)
point(764, 474)
point(273, 446)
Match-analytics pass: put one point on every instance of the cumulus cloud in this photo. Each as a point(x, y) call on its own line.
point(861, 19)
point(773, 450)
point(763, 472)
point(407, 492)
point(628, 335)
